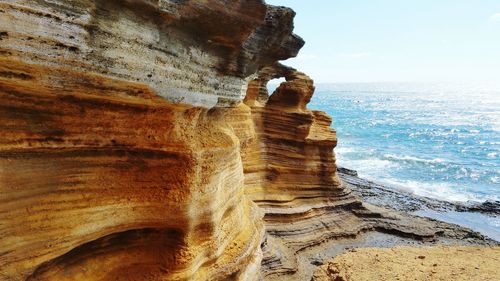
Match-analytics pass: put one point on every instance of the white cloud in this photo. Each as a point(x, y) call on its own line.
point(495, 17)
point(359, 55)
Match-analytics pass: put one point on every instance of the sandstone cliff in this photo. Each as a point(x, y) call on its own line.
point(116, 160)
point(290, 173)
point(127, 152)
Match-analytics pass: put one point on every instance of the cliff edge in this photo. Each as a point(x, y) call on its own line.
point(138, 142)
point(116, 158)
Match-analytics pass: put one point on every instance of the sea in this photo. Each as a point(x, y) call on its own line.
point(438, 140)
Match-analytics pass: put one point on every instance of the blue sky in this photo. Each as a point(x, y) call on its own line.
point(397, 40)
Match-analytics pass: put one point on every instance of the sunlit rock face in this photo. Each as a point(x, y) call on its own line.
point(193, 52)
point(138, 142)
point(117, 157)
point(294, 157)
point(290, 172)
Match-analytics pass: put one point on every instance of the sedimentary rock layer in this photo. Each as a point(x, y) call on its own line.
point(180, 49)
point(290, 173)
point(137, 186)
point(127, 154)
point(107, 170)
point(293, 156)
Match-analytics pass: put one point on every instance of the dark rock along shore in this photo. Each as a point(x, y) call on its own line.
point(399, 200)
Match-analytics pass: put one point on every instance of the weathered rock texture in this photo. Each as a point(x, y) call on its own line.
point(408, 264)
point(194, 52)
point(107, 170)
point(127, 154)
point(293, 156)
point(290, 173)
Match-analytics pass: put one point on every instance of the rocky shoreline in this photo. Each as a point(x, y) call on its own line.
point(366, 215)
point(403, 201)
point(394, 257)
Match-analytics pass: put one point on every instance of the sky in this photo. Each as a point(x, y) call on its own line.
point(397, 40)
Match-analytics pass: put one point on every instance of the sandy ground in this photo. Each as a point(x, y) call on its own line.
point(411, 263)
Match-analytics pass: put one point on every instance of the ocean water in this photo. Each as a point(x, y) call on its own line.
point(437, 140)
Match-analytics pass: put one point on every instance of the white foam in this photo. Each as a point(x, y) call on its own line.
point(492, 155)
point(373, 164)
point(413, 159)
point(495, 179)
point(443, 191)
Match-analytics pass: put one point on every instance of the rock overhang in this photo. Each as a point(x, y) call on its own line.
point(199, 53)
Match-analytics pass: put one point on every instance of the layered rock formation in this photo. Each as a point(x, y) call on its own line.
point(108, 171)
point(294, 157)
point(179, 49)
point(290, 173)
point(126, 152)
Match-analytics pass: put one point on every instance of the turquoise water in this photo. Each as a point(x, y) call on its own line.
point(435, 140)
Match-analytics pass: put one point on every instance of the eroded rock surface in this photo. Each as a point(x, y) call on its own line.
point(127, 154)
point(194, 52)
point(108, 171)
point(290, 173)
